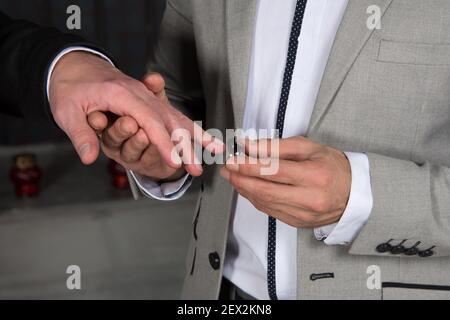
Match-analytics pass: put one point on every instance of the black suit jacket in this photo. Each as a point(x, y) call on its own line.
point(26, 52)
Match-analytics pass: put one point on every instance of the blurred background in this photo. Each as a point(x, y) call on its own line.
point(126, 249)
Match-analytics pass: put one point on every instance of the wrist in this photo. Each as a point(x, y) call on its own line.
point(175, 177)
point(179, 174)
point(74, 62)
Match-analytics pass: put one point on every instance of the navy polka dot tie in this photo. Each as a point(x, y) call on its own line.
point(286, 88)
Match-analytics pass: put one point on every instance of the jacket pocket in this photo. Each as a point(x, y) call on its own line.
point(414, 53)
point(411, 291)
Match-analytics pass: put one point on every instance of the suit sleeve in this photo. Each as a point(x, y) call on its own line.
point(411, 207)
point(175, 58)
point(26, 52)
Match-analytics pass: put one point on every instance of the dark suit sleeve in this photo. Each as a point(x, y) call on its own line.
point(26, 52)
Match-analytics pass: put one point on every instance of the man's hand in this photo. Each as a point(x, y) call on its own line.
point(311, 188)
point(126, 143)
point(83, 83)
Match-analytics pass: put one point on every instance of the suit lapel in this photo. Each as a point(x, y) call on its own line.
point(351, 37)
point(241, 17)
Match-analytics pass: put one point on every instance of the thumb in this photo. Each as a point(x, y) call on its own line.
point(83, 138)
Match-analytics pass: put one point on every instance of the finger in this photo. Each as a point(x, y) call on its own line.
point(83, 137)
point(267, 207)
point(295, 148)
point(98, 121)
point(304, 173)
point(275, 170)
point(300, 217)
point(155, 83)
point(294, 216)
point(191, 162)
point(152, 124)
point(200, 136)
point(258, 188)
point(278, 214)
point(134, 147)
point(308, 198)
point(123, 129)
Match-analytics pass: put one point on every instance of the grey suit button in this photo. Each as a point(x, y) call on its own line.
point(214, 260)
point(413, 250)
point(385, 247)
point(399, 249)
point(427, 253)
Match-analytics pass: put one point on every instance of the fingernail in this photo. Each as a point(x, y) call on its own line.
point(84, 150)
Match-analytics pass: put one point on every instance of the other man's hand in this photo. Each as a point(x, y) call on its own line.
point(126, 143)
point(310, 189)
point(123, 141)
point(82, 83)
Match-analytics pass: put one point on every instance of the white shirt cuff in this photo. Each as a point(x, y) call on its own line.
point(168, 191)
point(63, 53)
point(359, 206)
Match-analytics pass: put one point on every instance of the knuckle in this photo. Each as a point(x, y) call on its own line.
point(323, 178)
point(141, 139)
point(126, 125)
point(320, 204)
point(128, 156)
point(77, 136)
point(117, 88)
point(305, 220)
point(259, 206)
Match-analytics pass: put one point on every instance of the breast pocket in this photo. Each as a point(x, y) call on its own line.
point(414, 53)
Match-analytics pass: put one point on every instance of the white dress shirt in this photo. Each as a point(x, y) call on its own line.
point(246, 260)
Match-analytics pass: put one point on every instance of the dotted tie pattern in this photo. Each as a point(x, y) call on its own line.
point(286, 88)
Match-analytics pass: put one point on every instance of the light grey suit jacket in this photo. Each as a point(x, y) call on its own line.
point(385, 93)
